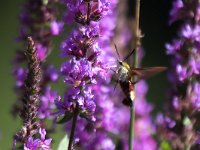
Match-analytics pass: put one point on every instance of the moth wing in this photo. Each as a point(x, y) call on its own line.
point(143, 73)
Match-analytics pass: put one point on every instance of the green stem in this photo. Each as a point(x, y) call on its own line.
point(136, 45)
point(131, 129)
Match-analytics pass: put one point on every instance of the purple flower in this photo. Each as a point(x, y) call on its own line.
point(56, 27)
point(174, 47)
point(194, 93)
point(165, 121)
point(31, 144)
point(191, 33)
point(47, 104)
point(181, 72)
point(85, 65)
point(41, 51)
point(174, 13)
point(102, 142)
point(52, 73)
point(20, 75)
point(45, 144)
point(42, 143)
point(175, 103)
point(78, 72)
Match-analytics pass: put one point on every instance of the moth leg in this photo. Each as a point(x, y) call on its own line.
point(116, 85)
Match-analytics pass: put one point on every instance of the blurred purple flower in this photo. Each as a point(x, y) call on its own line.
point(20, 76)
point(52, 73)
point(56, 27)
point(191, 33)
point(47, 103)
point(41, 51)
point(174, 13)
point(178, 120)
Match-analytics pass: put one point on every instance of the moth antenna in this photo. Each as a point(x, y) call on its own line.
point(117, 51)
point(129, 55)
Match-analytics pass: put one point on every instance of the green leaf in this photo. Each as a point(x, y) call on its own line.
point(165, 145)
point(66, 118)
point(186, 121)
point(45, 2)
point(63, 143)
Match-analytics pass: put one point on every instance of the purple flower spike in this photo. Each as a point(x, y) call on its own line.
point(85, 65)
point(180, 120)
point(90, 55)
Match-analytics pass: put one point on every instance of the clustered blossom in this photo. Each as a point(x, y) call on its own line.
point(178, 126)
point(85, 65)
point(112, 118)
point(91, 54)
point(42, 143)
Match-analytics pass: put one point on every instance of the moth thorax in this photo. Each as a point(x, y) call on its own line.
point(122, 73)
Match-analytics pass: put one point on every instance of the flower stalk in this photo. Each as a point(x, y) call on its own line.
point(31, 98)
point(136, 47)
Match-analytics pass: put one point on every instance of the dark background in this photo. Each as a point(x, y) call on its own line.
point(154, 25)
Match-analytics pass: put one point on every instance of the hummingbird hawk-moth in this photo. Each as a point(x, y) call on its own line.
point(128, 76)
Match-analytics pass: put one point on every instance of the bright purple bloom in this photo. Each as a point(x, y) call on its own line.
point(85, 65)
point(91, 55)
point(45, 144)
point(42, 143)
point(31, 144)
point(191, 33)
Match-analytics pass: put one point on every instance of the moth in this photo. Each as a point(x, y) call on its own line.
point(128, 76)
